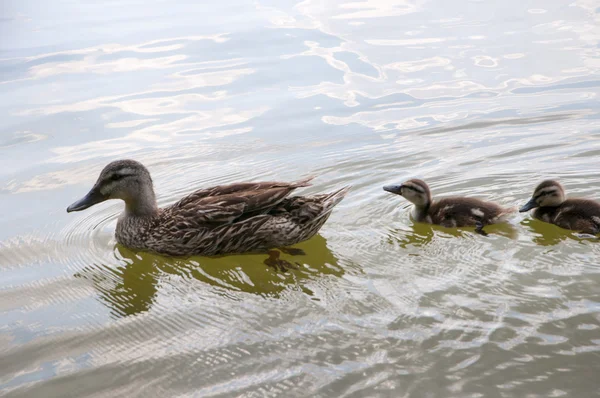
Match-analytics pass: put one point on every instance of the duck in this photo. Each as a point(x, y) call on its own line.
point(226, 219)
point(552, 206)
point(449, 212)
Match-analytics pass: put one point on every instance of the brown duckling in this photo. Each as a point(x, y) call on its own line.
point(551, 206)
point(449, 212)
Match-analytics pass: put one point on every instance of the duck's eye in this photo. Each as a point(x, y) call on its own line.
point(116, 177)
point(413, 189)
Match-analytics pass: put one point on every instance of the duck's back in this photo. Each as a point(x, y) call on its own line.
point(581, 215)
point(462, 212)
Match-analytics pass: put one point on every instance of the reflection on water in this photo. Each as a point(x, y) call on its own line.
point(421, 234)
point(546, 234)
point(131, 288)
point(478, 98)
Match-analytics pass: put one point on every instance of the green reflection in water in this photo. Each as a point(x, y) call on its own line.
point(421, 234)
point(546, 234)
point(131, 288)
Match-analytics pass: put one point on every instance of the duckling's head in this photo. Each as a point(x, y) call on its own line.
point(127, 180)
point(548, 193)
point(415, 191)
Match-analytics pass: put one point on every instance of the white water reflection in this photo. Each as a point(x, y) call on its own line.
point(92, 60)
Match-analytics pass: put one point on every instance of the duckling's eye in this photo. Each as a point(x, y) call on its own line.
point(116, 177)
point(413, 189)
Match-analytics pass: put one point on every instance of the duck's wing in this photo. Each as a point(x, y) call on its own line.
point(578, 214)
point(226, 203)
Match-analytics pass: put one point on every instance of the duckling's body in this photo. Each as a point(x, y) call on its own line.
point(551, 206)
point(449, 212)
point(236, 218)
point(461, 212)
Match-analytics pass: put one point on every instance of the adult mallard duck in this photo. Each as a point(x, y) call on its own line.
point(236, 218)
point(449, 212)
point(551, 206)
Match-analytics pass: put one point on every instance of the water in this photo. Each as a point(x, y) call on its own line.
point(477, 98)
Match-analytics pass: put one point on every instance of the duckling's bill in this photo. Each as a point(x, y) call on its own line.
point(93, 197)
point(528, 206)
point(394, 188)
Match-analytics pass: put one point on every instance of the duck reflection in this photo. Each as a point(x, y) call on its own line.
point(421, 234)
point(132, 287)
point(546, 234)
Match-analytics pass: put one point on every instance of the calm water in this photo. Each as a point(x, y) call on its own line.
point(478, 98)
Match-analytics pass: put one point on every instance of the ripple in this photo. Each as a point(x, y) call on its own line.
point(88, 237)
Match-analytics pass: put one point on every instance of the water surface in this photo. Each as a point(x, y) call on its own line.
point(477, 98)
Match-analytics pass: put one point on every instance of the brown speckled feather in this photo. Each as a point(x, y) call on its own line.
point(228, 203)
point(233, 218)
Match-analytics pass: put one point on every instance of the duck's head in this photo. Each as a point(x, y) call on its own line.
point(127, 180)
point(415, 191)
point(548, 193)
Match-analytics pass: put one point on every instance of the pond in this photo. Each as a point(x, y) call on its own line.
point(483, 99)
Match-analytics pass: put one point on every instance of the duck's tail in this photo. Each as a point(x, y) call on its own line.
point(332, 199)
point(505, 214)
point(326, 202)
point(305, 182)
point(307, 214)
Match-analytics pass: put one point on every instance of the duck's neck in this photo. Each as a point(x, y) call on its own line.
point(420, 212)
point(143, 204)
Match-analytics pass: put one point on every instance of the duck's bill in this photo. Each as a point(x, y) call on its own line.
point(528, 206)
point(93, 197)
point(393, 188)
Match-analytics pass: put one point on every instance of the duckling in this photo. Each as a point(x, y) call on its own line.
point(551, 206)
point(236, 218)
point(449, 212)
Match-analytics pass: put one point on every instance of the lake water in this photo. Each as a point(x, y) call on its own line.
point(478, 98)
